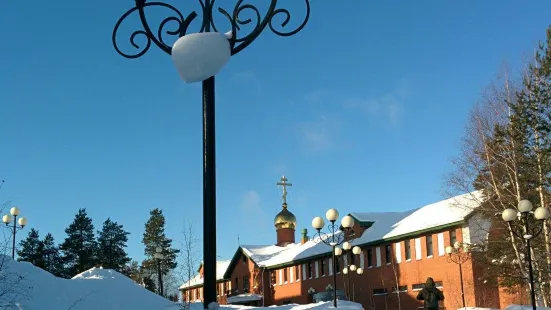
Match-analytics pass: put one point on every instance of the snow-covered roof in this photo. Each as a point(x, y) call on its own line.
point(243, 298)
point(221, 267)
point(385, 225)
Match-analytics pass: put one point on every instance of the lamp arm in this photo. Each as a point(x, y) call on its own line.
point(513, 230)
point(540, 229)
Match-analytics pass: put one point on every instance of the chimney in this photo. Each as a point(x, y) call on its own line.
point(304, 237)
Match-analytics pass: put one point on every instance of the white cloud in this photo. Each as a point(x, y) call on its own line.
point(251, 201)
point(317, 135)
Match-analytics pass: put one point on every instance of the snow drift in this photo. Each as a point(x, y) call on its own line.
point(26, 287)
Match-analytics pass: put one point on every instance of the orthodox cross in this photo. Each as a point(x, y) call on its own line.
point(283, 183)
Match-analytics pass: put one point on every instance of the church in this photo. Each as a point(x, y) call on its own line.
point(394, 253)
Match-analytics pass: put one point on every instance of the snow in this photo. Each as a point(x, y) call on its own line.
point(98, 289)
point(244, 298)
point(221, 268)
point(386, 225)
point(524, 307)
point(93, 289)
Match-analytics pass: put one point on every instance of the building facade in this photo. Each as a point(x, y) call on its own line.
point(399, 250)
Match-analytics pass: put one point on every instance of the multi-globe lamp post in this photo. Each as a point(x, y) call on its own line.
point(22, 221)
point(459, 254)
point(198, 57)
point(524, 215)
point(334, 237)
point(159, 258)
point(350, 268)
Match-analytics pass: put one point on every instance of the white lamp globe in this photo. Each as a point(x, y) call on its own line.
point(449, 250)
point(318, 223)
point(525, 206)
point(352, 267)
point(14, 211)
point(347, 222)
point(542, 213)
point(332, 215)
point(6, 219)
point(338, 251)
point(457, 245)
point(357, 250)
point(360, 271)
point(345, 270)
point(509, 215)
point(198, 56)
point(22, 221)
point(346, 246)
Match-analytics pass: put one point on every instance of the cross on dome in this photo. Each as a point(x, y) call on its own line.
point(283, 183)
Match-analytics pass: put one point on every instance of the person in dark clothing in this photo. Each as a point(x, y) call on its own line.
point(430, 295)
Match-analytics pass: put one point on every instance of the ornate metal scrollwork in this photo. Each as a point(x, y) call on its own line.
point(237, 42)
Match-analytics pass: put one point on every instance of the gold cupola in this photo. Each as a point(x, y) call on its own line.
point(285, 219)
point(285, 222)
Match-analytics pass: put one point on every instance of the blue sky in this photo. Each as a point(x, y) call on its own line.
point(362, 111)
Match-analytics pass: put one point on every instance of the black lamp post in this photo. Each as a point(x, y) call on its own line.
point(459, 254)
point(524, 210)
point(333, 238)
point(159, 258)
point(350, 268)
point(198, 57)
point(7, 219)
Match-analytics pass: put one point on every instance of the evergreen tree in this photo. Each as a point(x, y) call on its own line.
point(153, 237)
point(150, 284)
point(111, 243)
point(31, 249)
point(51, 257)
point(80, 246)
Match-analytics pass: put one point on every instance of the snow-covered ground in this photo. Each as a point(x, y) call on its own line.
point(511, 307)
point(26, 287)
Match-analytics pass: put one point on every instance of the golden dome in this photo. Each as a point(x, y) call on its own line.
point(285, 219)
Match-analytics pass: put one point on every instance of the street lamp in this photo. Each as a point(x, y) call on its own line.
point(159, 257)
point(349, 268)
point(198, 57)
point(459, 254)
point(7, 219)
point(541, 214)
point(333, 238)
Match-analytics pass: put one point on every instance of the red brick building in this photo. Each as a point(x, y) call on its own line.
point(399, 250)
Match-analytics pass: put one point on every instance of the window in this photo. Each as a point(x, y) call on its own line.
point(285, 277)
point(337, 265)
point(352, 259)
point(401, 289)
point(273, 278)
point(388, 253)
point(246, 283)
point(429, 245)
point(380, 291)
point(453, 237)
point(310, 270)
point(369, 258)
point(438, 284)
point(407, 247)
point(418, 286)
point(236, 283)
point(244, 258)
point(297, 272)
point(322, 267)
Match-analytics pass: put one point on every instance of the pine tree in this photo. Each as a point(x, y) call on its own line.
point(80, 246)
point(150, 284)
point(153, 237)
point(111, 243)
point(31, 249)
point(51, 257)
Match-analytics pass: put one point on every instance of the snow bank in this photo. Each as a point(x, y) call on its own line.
point(26, 287)
point(524, 307)
point(34, 288)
